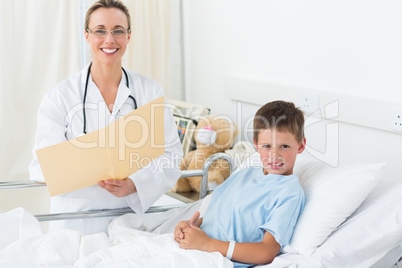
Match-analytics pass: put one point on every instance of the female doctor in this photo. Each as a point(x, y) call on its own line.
point(93, 98)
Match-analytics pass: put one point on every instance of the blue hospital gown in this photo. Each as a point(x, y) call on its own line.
point(249, 203)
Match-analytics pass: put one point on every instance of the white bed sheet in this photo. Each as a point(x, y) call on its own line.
point(289, 260)
point(125, 246)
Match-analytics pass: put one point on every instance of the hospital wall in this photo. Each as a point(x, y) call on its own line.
point(349, 50)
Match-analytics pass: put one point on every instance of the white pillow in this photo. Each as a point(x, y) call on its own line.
point(332, 195)
point(380, 215)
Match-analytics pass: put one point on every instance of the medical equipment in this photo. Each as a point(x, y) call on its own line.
point(85, 96)
point(186, 116)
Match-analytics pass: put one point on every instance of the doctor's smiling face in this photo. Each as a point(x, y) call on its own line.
point(108, 35)
point(278, 151)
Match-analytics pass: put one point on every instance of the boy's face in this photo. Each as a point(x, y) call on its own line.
point(278, 151)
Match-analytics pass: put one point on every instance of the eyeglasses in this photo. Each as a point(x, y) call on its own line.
point(102, 33)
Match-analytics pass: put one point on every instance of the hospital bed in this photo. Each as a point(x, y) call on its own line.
point(352, 218)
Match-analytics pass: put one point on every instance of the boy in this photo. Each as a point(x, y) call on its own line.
point(252, 214)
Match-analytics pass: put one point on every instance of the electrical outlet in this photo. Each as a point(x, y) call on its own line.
point(309, 102)
point(396, 119)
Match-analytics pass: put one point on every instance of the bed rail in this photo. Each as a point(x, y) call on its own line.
point(20, 184)
point(100, 213)
point(121, 211)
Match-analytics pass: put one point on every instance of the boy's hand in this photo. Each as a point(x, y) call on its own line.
point(194, 238)
point(178, 231)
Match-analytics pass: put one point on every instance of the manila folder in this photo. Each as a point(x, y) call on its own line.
point(114, 152)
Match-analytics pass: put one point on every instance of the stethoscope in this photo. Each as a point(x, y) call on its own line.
point(85, 96)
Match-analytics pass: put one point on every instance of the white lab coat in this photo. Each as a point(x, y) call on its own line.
point(60, 118)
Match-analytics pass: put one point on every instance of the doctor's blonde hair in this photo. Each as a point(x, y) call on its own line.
point(107, 4)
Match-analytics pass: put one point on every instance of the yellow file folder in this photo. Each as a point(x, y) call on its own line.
point(115, 152)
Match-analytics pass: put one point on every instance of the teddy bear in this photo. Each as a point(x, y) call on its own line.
point(213, 134)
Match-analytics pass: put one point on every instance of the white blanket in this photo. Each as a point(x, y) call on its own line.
point(124, 247)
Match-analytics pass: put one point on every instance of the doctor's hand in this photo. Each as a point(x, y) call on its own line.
point(118, 188)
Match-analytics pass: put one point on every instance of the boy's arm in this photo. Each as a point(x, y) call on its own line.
point(257, 253)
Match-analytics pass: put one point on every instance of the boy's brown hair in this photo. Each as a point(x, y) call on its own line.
point(279, 115)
